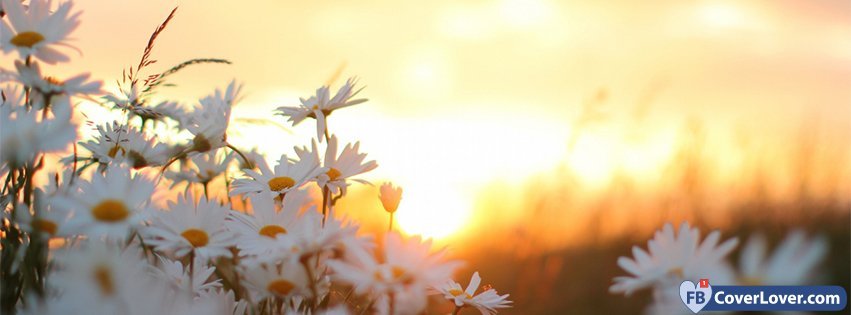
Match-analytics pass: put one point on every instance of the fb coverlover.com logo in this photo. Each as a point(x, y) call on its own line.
point(704, 297)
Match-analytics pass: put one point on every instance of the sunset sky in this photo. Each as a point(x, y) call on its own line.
point(502, 86)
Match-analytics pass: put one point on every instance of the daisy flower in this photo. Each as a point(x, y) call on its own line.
point(792, 263)
point(49, 90)
point(256, 233)
point(486, 302)
point(286, 176)
point(130, 100)
point(209, 122)
point(672, 258)
point(201, 168)
point(102, 279)
point(47, 218)
point(340, 168)
point(283, 280)
point(24, 134)
point(321, 105)
point(310, 238)
point(174, 273)
point(667, 301)
point(36, 31)
point(115, 141)
point(110, 205)
point(189, 227)
point(403, 269)
point(224, 301)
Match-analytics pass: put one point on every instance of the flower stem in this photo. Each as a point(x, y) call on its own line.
point(310, 276)
point(244, 159)
point(191, 272)
point(390, 228)
point(457, 310)
point(326, 194)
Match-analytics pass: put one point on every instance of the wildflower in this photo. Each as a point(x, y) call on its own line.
point(102, 279)
point(486, 302)
point(201, 168)
point(47, 219)
point(792, 263)
point(401, 271)
point(390, 197)
point(667, 301)
point(341, 168)
point(286, 176)
point(311, 238)
point(284, 280)
point(209, 122)
point(131, 100)
point(256, 233)
point(173, 272)
point(36, 31)
point(223, 301)
point(111, 204)
point(672, 258)
point(115, 141)
point(189, 227)
point(50, 90)
point(23, 134)
point(321, 105)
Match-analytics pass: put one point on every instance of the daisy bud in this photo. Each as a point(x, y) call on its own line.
point(390, 197)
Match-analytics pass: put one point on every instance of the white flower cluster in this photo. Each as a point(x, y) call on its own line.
point(93, 238)
point(673, 257)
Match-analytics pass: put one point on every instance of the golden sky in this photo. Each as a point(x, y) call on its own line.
point(501, 86)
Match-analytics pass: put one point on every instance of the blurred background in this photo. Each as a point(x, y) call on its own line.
point(539, 140)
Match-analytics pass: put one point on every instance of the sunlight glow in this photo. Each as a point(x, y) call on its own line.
point(439, 190)
point(593, 158)
point(433, 212)
point(526, 13)
point(722, 15)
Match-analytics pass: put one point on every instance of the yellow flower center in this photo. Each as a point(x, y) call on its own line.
point(397, 274)
point(114, 151)
point(103, 278)
point(196, 237)
point(281, 183)
point(53, 80)
point(333, 174)
point(110, 211)
point(45, 226)
point(280, 287)
point(677, 272)
point(458, 292)
point(272, 230)
point(27, 39)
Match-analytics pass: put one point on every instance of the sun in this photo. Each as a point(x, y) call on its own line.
point(433, 212)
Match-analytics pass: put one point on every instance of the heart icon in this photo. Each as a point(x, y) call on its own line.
point(695, 298)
